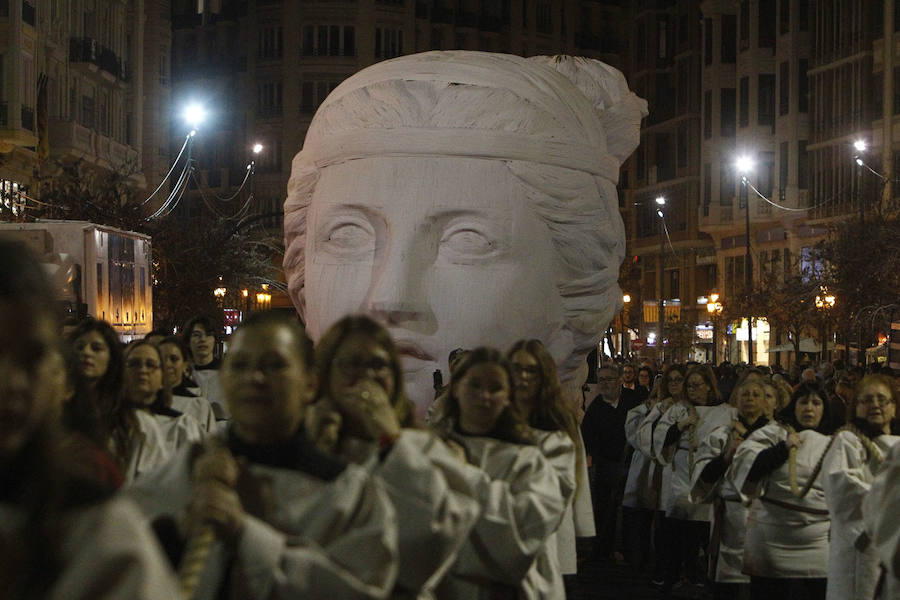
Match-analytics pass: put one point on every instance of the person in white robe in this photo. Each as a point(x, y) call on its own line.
point(538, 398)
point(362, 415)
point(184, 398)
point(639, 500)
point(675, 441)
point(880, 509)
point(289, 520)
point(160, 430)
point(786, 545)
point(61, 535)
point(855, 456)
point(200, 338)
point(509, 552)
point(709, 484)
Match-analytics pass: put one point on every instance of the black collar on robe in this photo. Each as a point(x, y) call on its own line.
point(297, 453)
point(869, 430)
point(183, 389)
point(214, 365)
point(759, 423)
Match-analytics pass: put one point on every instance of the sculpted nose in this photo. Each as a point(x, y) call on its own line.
point(396, 295)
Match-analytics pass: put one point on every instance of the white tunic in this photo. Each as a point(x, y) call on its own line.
point(434, 495)
point(644, 439)
point(313, 539)
point(156, 441)
point(522, 506)
point(197, 407)
point(108, 552)
point(639, 492)
point(783, 542)
point(677, 456)
point(733, 526)
point(881, 508)
point(579, 518)
point(847, 475)
point(211, 389)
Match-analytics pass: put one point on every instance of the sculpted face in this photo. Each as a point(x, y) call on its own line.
point(444, 252)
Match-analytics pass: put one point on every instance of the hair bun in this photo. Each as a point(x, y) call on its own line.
point(619, 109)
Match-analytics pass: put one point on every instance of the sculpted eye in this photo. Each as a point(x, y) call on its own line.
point(348, 238)
point(467, 242)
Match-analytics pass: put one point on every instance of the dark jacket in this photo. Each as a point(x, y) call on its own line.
point(603, 427)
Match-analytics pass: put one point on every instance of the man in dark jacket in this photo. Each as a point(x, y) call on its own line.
point(603, 429)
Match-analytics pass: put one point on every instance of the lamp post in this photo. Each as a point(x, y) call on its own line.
point(660, 305)
point(824, 302)
point(714, 308)
point(744, 166)
point(257, 148)
point(860, 146)
point(626, 300)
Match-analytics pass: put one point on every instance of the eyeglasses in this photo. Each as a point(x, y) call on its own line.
point(881, 401)
point(137, 363)
point(355, 366)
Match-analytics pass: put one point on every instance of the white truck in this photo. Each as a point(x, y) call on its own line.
point(95, 270)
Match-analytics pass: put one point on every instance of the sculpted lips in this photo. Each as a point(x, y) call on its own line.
point(410, 349)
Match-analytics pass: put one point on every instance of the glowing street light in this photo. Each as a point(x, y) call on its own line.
point(194, 114)
point(860, 145)
point(661, 200)
point(626, 298)
point(257, 148)
point(744, 164)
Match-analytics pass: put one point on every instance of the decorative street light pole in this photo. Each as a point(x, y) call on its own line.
point(626, 300)
point(824, 302)
point(744, 166)
point(714, 308)
point(860, 146)
point(660, 305)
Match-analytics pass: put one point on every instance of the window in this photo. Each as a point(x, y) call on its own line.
point(544, 18)
point(707, 187)
point(313, 93)
point(766, 95)
point(766, 174)
point(801, 165)
point(803, 15)
point(729, 33)
point(665, 166)
point(328, 40)
point(745, 24)
point(803, 92)
point(436, 38)
point(766, 23)
point(744, 118)
point(674, 282)
point(784, 16)
point(728, 113)
point(640, 44)
point(708, 41)
point(784, 93)
point(270, 43)
point(663, 32)
point(640, 165)
point(389, 42)
point(87, 112)
point(707, 114)
point(682, 150)
point(268, 99)
point(784, 161)
point(734, 275)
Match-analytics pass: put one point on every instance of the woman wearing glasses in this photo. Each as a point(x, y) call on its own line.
point(362, 415)
point(855, 456)
point(689, 421)
point(159, 430)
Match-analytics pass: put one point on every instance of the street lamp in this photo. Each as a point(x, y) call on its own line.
point(824, 302)
point(660, 202)
point(860, 146)
point(626, 300)
point(194, 114)
point(744, 166)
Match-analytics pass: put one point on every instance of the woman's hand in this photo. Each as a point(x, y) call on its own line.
point(323, 425)
point(213, 498)
point(793, 440)
point(370, 406)
point(685, 423)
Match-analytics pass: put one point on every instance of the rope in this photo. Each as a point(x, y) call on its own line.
point(194, 561)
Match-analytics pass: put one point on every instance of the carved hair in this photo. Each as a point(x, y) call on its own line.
point(562, 125)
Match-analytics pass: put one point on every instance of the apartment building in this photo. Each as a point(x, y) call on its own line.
point(72, 74)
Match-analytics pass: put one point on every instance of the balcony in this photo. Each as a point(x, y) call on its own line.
point(109, 62)
point(28, 118)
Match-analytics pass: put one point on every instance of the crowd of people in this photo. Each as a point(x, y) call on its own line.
point(159, 469)
point(748, 481)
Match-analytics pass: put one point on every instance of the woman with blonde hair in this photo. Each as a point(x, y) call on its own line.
point(362, 415)
point(509, 552)
point(855, 456)
point(539, 400)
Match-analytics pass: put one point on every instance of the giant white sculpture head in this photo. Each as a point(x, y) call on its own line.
point(465, 199)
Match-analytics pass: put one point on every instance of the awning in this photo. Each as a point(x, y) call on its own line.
point(808, 345)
